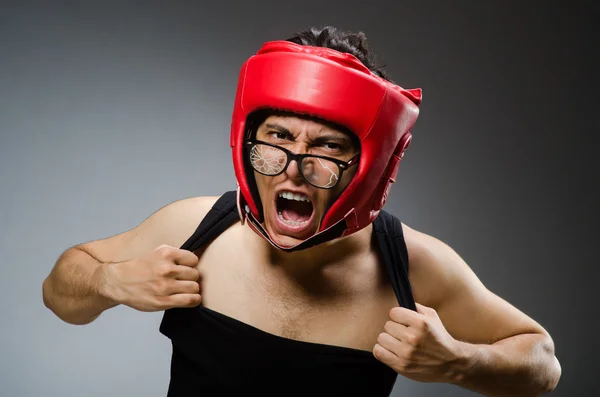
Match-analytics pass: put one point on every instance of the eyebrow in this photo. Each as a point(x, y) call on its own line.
point(332, 137)
point(324, 137)
point(279, 128)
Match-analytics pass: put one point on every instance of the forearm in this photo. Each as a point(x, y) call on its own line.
point(522, 365)
point(74, 288)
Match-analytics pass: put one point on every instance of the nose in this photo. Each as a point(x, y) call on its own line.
point(293, 171)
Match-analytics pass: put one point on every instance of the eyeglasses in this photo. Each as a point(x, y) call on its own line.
point(320, 171)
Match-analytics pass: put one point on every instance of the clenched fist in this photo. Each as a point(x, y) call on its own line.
point(164, 279)
point(417, 346)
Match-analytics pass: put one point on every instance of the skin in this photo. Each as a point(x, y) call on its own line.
point(461, 333)
point(301, 136)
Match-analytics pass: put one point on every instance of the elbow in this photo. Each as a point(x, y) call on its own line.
point(553, 375)
point(49, 299)
point(552, 370)
point(47, 294)
point(53, 304)
point(75, 321)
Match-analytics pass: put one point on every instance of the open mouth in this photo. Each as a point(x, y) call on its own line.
point(294, 211)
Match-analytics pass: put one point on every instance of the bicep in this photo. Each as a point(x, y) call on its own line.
point(468, 309)
point(170, 225)
point(477, 315)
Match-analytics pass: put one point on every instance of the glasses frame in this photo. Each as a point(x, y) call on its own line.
point(342, 165)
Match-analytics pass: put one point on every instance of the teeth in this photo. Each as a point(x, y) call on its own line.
point(293, 223)
point(292, 196)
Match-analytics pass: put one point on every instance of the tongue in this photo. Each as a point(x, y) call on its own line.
point(297, 211)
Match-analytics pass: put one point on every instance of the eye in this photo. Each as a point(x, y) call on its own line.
point(333, 146)
point(278, 135)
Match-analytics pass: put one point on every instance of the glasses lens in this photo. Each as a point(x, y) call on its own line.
point(320, 172)
point(267, 160)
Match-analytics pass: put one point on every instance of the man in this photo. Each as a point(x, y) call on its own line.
point(298, 282)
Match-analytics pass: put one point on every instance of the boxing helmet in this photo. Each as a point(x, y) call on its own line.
point(333, 86)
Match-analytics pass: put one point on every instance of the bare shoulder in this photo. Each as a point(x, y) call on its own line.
point(172, 224)
point(442, 280)
point(434, 266)
point(176, 221)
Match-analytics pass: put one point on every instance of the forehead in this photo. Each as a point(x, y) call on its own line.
point(304, 125)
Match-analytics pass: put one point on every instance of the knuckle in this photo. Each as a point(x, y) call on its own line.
point(191, 255)
point(400, 364)
point(172, 301)
point(161, 287)
point(388, 326)
point(164, 251)
point(161, 302)
point(192, 300)
point(412, 339)
point(165, 269)
point(189, 274)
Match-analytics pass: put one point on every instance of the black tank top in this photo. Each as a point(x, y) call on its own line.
point(216, 355)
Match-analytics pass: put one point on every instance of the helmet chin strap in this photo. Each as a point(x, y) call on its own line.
point(331, 233)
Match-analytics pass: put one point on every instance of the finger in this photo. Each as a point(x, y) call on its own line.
point(185, 258)
point(384, 355)
point(404, 316)
point(184, 287)
point(183, 300)
point(406, 335)
point(186, 273)
point(398, 331)
point(177, 255)
point(389, 343)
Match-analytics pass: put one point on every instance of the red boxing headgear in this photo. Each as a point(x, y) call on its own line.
point(336, 87)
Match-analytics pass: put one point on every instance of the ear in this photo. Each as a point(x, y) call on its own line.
point(389, 176)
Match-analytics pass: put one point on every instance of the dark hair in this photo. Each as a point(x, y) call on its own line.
point(354, 43)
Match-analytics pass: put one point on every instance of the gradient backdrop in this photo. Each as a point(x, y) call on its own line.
point(110, 110)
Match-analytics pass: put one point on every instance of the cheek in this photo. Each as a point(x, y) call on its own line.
point(327, 197)
point(261, 182)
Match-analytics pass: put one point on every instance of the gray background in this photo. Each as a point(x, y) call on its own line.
point(108, 111)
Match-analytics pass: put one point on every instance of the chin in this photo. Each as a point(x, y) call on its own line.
point(286, 236)
point(284, 241)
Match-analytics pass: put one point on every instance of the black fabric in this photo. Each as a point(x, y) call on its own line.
point(221, 216)
point(394, 255)
point(216, 355)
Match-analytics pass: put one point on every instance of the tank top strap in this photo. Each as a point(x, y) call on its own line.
point(221, 216)
point(387, 230)
point(388, 234)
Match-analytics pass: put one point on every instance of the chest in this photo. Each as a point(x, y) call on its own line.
point(345, 304)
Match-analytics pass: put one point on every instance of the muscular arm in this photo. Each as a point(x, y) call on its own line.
point(503, 351)
point(75, 288)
